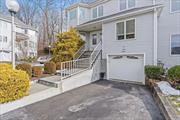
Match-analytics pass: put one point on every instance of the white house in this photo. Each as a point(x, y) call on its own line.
point(134, 33)
point(26, 39)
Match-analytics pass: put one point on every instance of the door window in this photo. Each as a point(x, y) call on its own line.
point(94, 39)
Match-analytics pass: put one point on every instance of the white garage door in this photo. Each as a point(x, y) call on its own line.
point(126, 68)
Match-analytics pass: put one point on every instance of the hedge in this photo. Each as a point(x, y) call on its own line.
point(36, 71)
point(25, 67)
point(14, 84)
point(153, 72)
point(174, 73)
point(50, 68)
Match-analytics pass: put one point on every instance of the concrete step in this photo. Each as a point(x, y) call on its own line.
point(52, 81)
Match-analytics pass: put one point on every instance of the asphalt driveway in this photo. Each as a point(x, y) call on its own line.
point(103, 100)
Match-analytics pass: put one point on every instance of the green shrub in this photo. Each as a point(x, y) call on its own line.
point(14, 84)
point(25, 67)
point(50, 68)
point(36, 71)
point(153, 72)
point(174, 73)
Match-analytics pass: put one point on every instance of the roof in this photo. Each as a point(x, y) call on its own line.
point(18, 22)
point(122, 13)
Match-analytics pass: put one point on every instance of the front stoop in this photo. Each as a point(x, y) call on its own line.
point(164, 105)
point(53, 81)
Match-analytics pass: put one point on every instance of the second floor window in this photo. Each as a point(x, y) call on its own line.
point(97, 12)
point(175, 5)
point(125, 30)
point(127, 4)
point(72, 15)
point(82, 13)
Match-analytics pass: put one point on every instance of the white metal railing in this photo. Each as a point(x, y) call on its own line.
point(73, 67)
point(70, 68)
point(95, 53)
point(79, 52)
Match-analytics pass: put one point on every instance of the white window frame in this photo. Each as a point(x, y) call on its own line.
point(170, 52)
point(124, 21)
point(97, 8)
point(170, 6)
point(127, 3)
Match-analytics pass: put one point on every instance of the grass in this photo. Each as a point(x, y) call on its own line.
point(175, 102)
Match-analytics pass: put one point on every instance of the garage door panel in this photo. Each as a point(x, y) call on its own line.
point(127, 67)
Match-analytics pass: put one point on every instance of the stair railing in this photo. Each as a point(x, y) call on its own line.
point(70, 68)
point(79, 52)
point(95, 53)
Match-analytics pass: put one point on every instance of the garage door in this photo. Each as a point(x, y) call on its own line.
point(126, 68)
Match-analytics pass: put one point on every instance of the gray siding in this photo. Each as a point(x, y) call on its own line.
point(168, 23)
point(142, 44)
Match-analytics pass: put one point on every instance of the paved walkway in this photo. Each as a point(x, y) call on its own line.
point(103, 100)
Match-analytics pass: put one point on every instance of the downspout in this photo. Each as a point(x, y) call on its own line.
point(155, 35)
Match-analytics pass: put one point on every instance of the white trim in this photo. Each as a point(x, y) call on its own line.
point(176, 55)
point(108, 55)
point(170, 6)
point(155, 58)
point(78, 15)
point(124, 21)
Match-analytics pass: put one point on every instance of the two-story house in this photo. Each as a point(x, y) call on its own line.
point(26, 39)
point(134, 33)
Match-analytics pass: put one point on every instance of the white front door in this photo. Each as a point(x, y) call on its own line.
point(126, 68)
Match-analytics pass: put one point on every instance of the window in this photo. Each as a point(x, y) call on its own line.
point(26, 31)
point(5, 39)
point(130, 29)
point(100, 11)
point(82, 13)
point(175, 5)
point(94, 39)
point(175, 44)
point(126, 4)
point(25, 43)
point(94, 13)
point(125, 30)
point(72, 15)
point(97, 12)
point(120, 31)
point(0, 38)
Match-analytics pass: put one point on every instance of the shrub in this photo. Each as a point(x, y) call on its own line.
point(14, 84)
point(50, 67)
point(4, 66)
point(25, 67)
point(58, 66)
point(37, 71)
point(174, 73)
point(153, 72)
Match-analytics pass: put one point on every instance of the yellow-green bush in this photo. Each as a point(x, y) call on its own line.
point(14, 84)
point(4, 66)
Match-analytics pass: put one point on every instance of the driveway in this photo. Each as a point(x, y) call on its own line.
point(103, 100)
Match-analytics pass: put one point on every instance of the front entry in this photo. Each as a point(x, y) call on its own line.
point(126, 67)
point(95, 38)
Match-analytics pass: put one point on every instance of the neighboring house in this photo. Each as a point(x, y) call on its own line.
point(134, 33)
point(25, 43)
